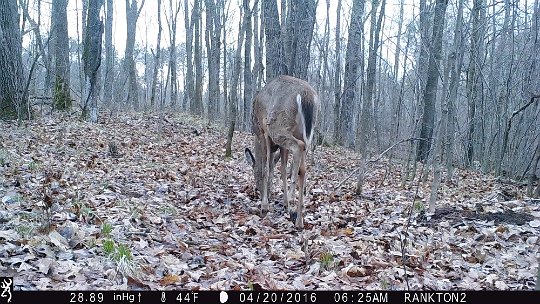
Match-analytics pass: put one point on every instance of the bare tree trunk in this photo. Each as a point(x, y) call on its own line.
point(473, 78)
point(440, 135)
point(223, 16)
point(257, 50)
point(216, 58)
point(398, 41)
point(430, 94)
point(248, 76)
point(452, 95)
point(132, 14)
point(337, 77)
point(109, 54)
point(420, 84)
point(398, 110)
point(352, 59)
point(275, 64)
point(323, 64)
point(81, 39)
point(172, 21)
point(234, 89)
point(213, 40)
point(92, 58)
point(366, 121)
point(189, 86)
point(507, 47)
point(157, 63)
point(62, 98)
point(198, 58)
point(13, 103)
point(300, 23)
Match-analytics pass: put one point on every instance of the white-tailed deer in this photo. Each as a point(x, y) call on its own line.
point(284, 116)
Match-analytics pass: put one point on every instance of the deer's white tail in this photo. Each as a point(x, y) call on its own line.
point(306, 111)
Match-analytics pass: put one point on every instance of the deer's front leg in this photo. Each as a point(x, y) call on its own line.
point(284, 153)
point(301, 184)
point(265, 175)
point(298, 149)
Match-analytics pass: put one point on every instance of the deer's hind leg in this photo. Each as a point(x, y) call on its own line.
point(299, 223)
point(297, 147)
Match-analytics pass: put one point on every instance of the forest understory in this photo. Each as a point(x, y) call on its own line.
point(141, 201)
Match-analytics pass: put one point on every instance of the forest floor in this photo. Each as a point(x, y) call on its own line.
point(141, 202)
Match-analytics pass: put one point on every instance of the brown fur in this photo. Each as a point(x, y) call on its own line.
point(278, 122)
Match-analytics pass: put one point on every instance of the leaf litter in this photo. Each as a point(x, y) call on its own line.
point(189, 216)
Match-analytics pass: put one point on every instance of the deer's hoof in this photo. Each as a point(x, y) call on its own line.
point(264, 212)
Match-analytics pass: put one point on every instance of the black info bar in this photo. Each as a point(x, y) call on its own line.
point(248, 297)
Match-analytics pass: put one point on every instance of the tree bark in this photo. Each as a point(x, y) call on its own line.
point(189, 83)
point(257, 49)
point(352, 59)
point(198, 58)
point(92, 57)
point(275, 63)
point(157, 63)
point(13, 103)
point(453, 90)
point(213, 41)
point(59, 26)
point(366, 121)
point(234, 88)
point(473, 78)
point(248, 76)
point(132, 14)
point(300, 23)
point(430, 93)
point(172, 22)
point(109, 54)
point(337, 77)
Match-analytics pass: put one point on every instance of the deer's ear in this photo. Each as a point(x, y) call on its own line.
point(250, 159)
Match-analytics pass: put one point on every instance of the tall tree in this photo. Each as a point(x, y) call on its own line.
point(248, 76)
point(80, 46)
point(132, 14)
point(197, 56)
point(430, 93)
point(352, 60)
point(172, 21)
point(59, 25)
point(92, 57)
point(453, 90)
point(234, 88)
point(300, 24)
point(257, 47)
point(156, 59)
point(13, 103)
point(337, 76)
point(473, 76)
point(398, 40)
point(213, 46)
point(189, 83)
point(275, 63)
point(109, 54)
point(366, 121)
